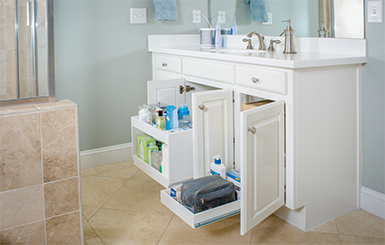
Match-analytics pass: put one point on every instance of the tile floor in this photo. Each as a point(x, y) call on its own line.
point(121, 206)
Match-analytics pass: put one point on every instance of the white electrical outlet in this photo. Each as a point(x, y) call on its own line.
point(222, 17)
point(196, 16)
point(270, 21)
point(138, 15)
point(375, 11)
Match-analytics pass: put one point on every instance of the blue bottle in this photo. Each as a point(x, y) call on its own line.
point(183, 116)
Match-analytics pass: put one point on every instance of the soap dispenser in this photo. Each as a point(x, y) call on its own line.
point(322, 32)
point(289, 39)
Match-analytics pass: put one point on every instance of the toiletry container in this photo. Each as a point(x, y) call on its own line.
point(289, 47)
point(183, 116)
point(234, 28)
point(217, 167)
point(160, 121)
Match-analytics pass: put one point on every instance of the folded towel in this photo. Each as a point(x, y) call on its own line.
point(165, 10)
point(258, 10)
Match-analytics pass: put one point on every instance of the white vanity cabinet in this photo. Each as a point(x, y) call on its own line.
point(299, 155)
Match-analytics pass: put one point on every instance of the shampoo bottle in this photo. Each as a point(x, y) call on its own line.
point(216, 167)
point(218, 36)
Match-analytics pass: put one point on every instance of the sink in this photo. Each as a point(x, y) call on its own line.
point(247, 51)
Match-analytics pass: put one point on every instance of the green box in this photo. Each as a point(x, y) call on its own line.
point(145, 143)
point(139, 139)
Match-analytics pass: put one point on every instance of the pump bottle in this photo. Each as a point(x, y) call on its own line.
point(217, 168)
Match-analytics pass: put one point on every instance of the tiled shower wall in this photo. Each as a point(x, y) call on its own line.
point(39, 174)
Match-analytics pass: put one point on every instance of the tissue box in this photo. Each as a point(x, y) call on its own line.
point(145, 143)
point(139, 139)
point(150, 149)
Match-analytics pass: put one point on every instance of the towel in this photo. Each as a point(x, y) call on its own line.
point(258, 10)
point(165, 10)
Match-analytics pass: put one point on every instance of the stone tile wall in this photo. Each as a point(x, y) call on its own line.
point(39, 175)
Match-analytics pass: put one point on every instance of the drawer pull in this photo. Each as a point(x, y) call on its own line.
point(252, 130)
point(201, 107)
point(255, 79)
point(164, 64)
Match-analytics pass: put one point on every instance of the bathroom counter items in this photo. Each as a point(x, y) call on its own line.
point(311, 52)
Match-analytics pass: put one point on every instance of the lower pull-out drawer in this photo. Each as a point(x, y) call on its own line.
point(201, 218)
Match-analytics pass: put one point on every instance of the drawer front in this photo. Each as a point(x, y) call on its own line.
point(217, 71)
point(168, 63)
point(263, 79)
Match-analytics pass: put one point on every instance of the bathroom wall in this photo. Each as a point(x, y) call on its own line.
point(39, 175)
point(103, 65)
point(374, 108)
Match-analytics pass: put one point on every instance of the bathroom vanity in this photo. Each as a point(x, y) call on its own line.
point(299, 154)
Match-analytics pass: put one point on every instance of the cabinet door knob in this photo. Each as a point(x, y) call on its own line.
point(255, 79)
point(164, 64)
point(201, 107)
point(252, 130)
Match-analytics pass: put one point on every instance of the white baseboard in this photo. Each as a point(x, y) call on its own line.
point(106, 155)
point(373, 202)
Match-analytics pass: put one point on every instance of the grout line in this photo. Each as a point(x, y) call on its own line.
point(172, 217)
point(338, 231)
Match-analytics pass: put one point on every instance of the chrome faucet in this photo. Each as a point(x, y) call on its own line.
point(261, 40)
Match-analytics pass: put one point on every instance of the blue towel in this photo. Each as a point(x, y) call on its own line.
point(258, 10)
point(165, 10)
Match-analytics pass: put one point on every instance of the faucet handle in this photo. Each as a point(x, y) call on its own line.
point(271, 44)
point(249, 45)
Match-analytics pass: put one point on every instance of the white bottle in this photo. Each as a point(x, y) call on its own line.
point(216, 167)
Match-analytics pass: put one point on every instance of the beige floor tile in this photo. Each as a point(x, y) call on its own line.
point(88, 171)
point(87, 230)
point(113, 167)
point(222, 232)
point(88, 212)
point(139, 196)
point(350, 240)
point(329, 227)
point(349, 226)
point(140, 175)
point(369, 219)
point(96, 190)
point(125, 173)
point(272, 235)
point(276, 222)
point(93, 241)
point(125, 228)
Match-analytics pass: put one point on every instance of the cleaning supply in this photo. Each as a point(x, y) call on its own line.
point(160, 120)
point(234, 28)
point(218, 36)
point(217, 167)
point(183, 116)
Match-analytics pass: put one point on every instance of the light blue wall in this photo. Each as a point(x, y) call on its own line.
point(103, 65)
point(374, 108)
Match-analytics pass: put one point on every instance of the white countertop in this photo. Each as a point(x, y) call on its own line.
point(331, 52)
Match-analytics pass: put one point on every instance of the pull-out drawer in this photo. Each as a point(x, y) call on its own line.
point(201, 218)
point(168, 63)
point(217, 71)
point(260, 78)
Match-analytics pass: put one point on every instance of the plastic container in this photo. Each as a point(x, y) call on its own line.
point(160, 121)
point(145, 113)
point(217, 167)
point(234, 28)
point(183, 116)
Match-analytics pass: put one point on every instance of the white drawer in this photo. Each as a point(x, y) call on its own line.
point(168, 63)
point(201, 218)
point(263, 79)
point(217, 71)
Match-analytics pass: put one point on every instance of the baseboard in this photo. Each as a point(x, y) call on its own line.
point(373, 202)
point(106, 155)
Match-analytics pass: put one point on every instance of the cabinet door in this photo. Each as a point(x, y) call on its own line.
point(262, 163)
point(165, 91)
point(212, 118)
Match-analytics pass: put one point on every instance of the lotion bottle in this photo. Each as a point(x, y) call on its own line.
point(217, 167)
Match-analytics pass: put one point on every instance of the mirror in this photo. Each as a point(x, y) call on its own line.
point(343, 18)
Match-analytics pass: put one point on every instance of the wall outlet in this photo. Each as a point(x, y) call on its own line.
point(196, 16)
point(138, 15)
point(375, 11)
point(221, 17)
point(270, 21)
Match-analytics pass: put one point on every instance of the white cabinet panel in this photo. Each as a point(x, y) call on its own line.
point(262, 163)
point(165, 91)
point(212, 129)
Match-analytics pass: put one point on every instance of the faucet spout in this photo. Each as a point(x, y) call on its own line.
point(261, 39)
